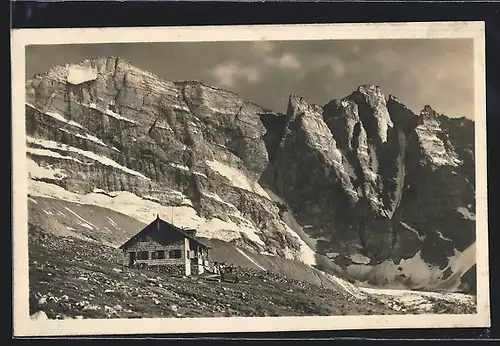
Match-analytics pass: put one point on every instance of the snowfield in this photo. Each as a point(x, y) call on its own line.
point(237, 178)
point(417, 270)
point(57, 116)
point(402, 300)
point(37, 172)
point(50, 153)
point(145, 210)
point(307, 255)
point(79, 74)
point(88, 154)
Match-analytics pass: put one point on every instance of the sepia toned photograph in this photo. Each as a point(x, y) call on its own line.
point(301, 177)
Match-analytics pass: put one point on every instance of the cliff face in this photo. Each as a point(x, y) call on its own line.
point(359, 186)
point(387, 194)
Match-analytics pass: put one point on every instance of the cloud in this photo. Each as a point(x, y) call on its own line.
point(389, 58)
point(229, 74)
point(355, 48)
point(285, 61)
point(262, 46)
point(438, 72)
point(337, 65)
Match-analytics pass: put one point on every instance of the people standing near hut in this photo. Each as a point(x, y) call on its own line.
point(215, 268)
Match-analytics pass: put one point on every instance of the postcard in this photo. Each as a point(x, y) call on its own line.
point(249, 178)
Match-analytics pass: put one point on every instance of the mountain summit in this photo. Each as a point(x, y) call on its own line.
point(360, 187)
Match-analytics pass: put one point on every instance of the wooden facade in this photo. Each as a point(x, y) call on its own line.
point(161, 244)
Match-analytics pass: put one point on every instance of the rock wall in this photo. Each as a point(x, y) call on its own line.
point(369, 184)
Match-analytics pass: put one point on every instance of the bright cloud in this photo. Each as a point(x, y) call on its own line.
point(285, 61)
point(228, 74)
point(336, 64)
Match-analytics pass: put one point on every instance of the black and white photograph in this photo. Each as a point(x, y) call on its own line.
point(287, 177)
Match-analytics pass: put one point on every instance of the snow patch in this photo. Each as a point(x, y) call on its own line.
point(373, 159)
point(181, 167)
point(237, 178)
point(85, 223)
point(307, 255)
point(442, 237)
point(466, 213)
point(111, 221)
point(90, 138)
point(101, 159)
point(218, 199)
point(118, 116)
point(81, 74)
point(107, 111)
point(459, 264)
point(463, 261)
point(200, 174)
point(411, 229)
point(423, 301)
point(36, 171)
point(414, 268)
point(144, 210)
point(57, 116)
point(50, 153)
point(182, 108)
point(225, 147)
point(32, 200)
point(164, 127)
point(360, 259)
point(346, 286)
point(96, 190)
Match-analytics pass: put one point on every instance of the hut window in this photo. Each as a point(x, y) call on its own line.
point(175, 253)
point(143, 255)
point(159, 254)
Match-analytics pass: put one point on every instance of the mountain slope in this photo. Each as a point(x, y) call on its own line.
point(359, 187)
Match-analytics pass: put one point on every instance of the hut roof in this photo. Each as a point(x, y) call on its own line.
point(166, 226)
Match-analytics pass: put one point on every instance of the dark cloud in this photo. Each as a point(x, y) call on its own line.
point(418, 72)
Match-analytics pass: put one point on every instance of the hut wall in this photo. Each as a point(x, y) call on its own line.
point(151, 246)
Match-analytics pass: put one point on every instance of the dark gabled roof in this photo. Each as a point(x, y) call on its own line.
point(163, 223)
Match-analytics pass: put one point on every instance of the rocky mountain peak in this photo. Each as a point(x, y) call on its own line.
point(369, 89)
point(401, 115)
point(429, 113)
point(373, 111)
point(360, 180)
point(297, 105)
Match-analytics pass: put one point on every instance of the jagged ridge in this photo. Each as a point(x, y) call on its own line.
point(376, 190)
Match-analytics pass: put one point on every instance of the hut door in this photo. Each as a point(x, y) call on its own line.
point(132, 259)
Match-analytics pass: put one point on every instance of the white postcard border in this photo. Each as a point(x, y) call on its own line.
point(24, 326)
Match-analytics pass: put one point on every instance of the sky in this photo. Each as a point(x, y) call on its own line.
point(437, 72)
